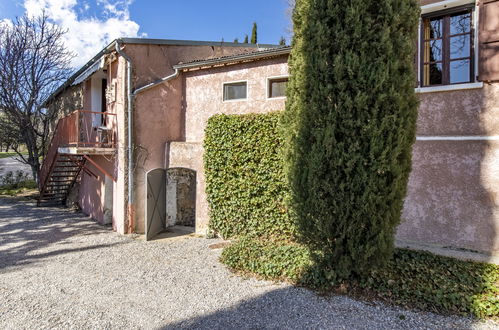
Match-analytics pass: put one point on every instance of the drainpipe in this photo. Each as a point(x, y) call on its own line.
point(130, 99)
point(131, 164)
point(160, 81)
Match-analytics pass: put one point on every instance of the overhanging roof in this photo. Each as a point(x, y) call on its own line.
point(173, 42)
point(234, 59)
point(99, 64)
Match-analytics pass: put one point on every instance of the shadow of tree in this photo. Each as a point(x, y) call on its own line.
point(292, 308)
point(29, 234)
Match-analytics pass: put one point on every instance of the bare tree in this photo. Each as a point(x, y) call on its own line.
point(33, 63)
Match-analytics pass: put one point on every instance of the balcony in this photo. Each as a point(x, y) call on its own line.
point(85, 132)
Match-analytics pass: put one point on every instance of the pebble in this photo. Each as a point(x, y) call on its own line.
point(61, 270)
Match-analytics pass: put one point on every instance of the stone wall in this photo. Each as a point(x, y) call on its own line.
point(180, 197)
point(68, 101)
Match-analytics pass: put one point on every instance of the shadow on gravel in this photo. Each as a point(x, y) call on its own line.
point(26, 229)
point(289, 309)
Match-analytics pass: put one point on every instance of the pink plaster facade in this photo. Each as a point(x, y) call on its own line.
point(203, 90)
point(157, 121)
point(453, 192)
point(158, 113)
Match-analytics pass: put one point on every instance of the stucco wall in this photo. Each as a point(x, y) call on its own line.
point(204, 98)
point(117, 78)
point(92, 193)
point(158, 114)
point(453, 191)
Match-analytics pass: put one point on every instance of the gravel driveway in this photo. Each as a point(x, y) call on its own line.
point(60, 270)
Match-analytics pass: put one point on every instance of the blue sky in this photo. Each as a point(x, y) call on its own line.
point(94, 23)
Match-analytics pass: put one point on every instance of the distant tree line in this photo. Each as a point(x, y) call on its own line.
point(254, 37)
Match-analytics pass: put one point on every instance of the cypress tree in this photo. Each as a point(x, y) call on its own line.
point(246, 39)
point(236, 41)
point(350, 125)
point(282, 41)
point(254, 34)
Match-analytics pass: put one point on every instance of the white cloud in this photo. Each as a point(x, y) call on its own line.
point(87, 35)
point(5, 22)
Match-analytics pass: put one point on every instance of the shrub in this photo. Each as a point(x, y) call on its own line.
point(414, 279)
point(14, 180)
point(13, 183)
point(439, 284)
point(268, 259)
point(350, 125)
point(245, 183)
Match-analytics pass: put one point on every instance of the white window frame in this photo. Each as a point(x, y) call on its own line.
point(267, 88)
point(235, 82)
point(434, 7)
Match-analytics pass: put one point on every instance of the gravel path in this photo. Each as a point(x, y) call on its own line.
point(59, 270)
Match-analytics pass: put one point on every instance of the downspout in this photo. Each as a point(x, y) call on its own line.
point(131, 165)
point(130, 99)
point(160, 81)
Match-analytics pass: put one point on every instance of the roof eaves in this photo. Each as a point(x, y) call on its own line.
point(173, 42)
point(75, 75)
point(234, 59)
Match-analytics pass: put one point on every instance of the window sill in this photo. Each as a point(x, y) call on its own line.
point(234, 100)
point(449, 88)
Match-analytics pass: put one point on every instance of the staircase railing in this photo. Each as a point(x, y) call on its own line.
point(81, 128)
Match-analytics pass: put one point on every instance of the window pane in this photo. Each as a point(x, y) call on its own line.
point(460, 23)
point(459, 71)
point(433, 28)
point(277, 87)
point(235, 91)
point(460, 46)
point(433, 51)
point(433, 74)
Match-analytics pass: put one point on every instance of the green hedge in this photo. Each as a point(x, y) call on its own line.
point(245, 182)
point(414, 279)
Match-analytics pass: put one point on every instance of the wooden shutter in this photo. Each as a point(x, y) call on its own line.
point(416, 63)
point(488, 40)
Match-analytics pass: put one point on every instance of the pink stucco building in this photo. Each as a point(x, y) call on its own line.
point(146, 104)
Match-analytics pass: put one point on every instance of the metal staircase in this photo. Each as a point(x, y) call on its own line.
point(61, 179)
point(74, 140)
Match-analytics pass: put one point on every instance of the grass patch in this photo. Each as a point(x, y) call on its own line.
point(15, 184)
point(17, 189)
point(413, 279)
point(30, 188)
point(7, 154)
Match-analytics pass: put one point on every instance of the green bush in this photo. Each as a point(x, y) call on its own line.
point(414, 279)
point(245, 184)
point(440, 284)
point(267, 259)
point(350, 125)
point(13, 183)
